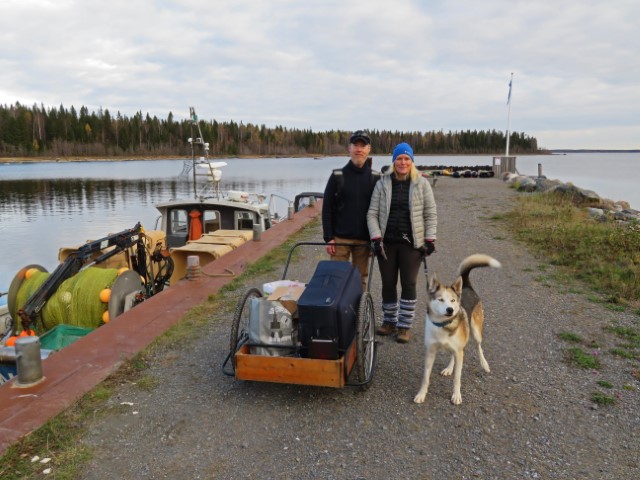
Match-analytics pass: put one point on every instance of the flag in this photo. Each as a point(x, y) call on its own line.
point(509, 96)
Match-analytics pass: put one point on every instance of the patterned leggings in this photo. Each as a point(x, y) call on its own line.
point(402, 261)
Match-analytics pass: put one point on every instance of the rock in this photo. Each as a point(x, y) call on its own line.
point(600, 209)
point(526, 184)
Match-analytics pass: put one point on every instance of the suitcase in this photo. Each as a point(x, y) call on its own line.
point(328, 309)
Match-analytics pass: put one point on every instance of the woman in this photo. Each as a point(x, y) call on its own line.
point(402, 224)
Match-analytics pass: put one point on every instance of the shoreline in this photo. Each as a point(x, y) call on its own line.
point(19, 160)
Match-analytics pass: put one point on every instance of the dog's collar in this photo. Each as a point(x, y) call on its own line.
point(441, 324)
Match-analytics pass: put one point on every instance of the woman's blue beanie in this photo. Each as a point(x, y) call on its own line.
point(403, 149)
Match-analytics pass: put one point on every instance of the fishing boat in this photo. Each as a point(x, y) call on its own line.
point(100, 279)
point(215, 220)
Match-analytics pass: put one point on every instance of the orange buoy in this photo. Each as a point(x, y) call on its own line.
point(29, 273)
point(27, 333)
point(105, 295)
point(11, 341)
point(105, 316)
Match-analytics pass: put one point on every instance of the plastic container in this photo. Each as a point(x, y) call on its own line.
point(62, 335)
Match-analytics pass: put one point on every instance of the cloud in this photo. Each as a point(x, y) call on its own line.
point(403, 65)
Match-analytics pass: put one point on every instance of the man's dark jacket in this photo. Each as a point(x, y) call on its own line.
point(345, 215)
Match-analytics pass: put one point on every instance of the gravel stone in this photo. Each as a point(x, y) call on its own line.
point(530, 418)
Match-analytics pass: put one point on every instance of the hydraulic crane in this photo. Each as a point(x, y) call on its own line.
point(140, 260)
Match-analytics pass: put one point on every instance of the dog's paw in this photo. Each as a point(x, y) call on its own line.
point(419, 398)
point(447, 372)
point(485, 366)
point(456, 398)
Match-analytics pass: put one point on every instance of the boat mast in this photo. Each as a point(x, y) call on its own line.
point(194, 119)
point(197, 141)
point(509, 115)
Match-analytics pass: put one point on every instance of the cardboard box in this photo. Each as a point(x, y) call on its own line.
point(288, 296)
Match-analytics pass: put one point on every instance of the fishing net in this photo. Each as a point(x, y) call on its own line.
point(76, 302)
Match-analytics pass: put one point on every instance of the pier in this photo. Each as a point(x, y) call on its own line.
point(73, 371)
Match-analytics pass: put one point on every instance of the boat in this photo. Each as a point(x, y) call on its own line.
point(121, 270)
point(216, 220)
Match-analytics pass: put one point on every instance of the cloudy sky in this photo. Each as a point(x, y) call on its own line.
point(404, 65)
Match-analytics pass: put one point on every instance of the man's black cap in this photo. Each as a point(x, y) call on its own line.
point(360, 135)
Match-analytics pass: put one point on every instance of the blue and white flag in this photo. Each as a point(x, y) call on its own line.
point(509, 96)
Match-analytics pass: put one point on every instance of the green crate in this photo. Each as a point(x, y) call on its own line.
point(62, 335)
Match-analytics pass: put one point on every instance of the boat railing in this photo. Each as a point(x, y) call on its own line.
point(272, 207)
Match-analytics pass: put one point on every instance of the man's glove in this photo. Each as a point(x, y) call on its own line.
point(376, 244)
point(428, 248)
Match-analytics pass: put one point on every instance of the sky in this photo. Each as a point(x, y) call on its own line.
point(399, 65)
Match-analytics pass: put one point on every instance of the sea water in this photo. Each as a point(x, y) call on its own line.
point(45, 206)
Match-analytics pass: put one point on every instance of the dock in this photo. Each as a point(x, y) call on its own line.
point(72, 372)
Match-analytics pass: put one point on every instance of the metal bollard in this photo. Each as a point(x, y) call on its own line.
point(28, 361)
point(290, 212)
point(257, 232)
point(193, 267)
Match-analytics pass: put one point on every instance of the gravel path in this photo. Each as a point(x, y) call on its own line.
point(531, 417)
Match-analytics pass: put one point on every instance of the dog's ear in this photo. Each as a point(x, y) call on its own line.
point(457, 286)
point(432, 283)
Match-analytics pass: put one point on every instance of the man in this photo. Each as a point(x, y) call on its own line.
point(345, 205)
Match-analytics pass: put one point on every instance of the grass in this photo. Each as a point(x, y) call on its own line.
point(605, 384)
point(579, 358)
point(61, 438)
point(605, 255)
point(58, 439)
point(601, 399)
point(570, 337)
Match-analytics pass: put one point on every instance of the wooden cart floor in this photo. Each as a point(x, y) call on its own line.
point(295, 370)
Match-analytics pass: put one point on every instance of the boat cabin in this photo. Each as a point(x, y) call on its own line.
point(185, 220)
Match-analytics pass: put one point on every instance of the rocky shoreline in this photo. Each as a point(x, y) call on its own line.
point(601, 209)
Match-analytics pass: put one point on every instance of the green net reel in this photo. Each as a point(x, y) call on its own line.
point(76, 302)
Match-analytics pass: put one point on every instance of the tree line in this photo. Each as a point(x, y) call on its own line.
point(37, 131)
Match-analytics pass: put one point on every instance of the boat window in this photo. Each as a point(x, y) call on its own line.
point(211, 221)
point(244, 220)
point(178, 221)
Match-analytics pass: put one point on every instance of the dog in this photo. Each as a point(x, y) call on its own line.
point(453, 312)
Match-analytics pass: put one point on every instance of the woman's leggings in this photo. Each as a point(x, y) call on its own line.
point(403, 260)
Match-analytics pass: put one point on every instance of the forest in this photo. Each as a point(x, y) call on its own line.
point(39, 132)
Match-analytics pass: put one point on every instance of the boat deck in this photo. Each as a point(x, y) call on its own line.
point(73, 371)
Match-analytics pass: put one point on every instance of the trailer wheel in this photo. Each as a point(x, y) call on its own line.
point(240, 326)
point(366, 341)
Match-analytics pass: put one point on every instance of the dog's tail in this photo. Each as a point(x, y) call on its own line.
point(474, 261)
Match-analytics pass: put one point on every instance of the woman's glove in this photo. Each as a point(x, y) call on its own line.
point(376, 244)
point(378, 248)
point(428, 248)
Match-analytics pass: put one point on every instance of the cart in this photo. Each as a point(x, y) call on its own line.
point(354, 366)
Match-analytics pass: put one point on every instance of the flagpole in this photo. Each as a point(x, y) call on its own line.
point(509, 115)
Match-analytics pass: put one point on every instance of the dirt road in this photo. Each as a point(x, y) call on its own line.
point(531, 417)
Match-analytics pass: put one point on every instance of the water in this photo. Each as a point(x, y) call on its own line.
point(45, 206)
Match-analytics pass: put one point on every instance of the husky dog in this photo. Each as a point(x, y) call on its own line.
point(452, 313)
